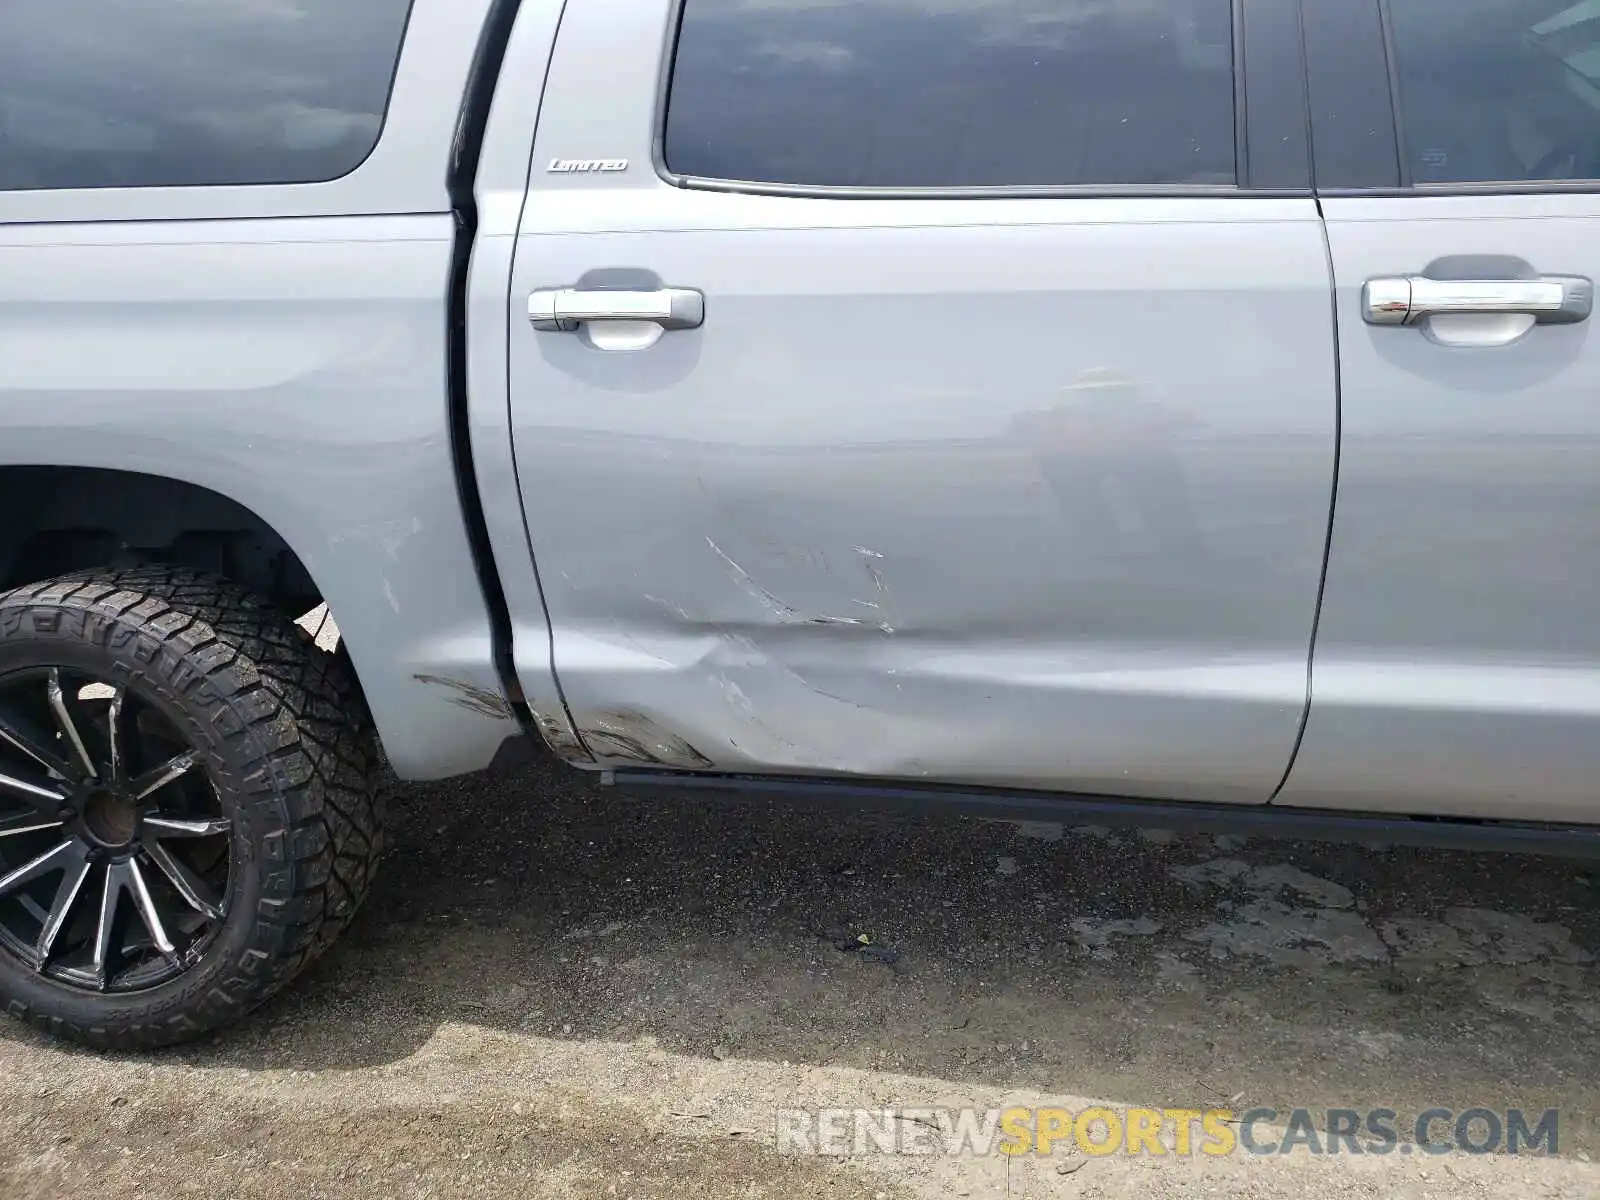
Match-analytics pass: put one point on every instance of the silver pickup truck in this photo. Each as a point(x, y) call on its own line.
point(1178, 411)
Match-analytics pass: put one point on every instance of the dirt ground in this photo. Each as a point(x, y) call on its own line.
point(562, 990)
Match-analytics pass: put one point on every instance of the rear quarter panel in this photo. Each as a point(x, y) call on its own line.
point(285, 347)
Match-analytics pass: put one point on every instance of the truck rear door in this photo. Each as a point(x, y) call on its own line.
point(1458, 655)
point(939, 391)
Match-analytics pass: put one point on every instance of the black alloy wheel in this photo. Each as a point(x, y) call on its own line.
point(114, 851)
point(189, 804)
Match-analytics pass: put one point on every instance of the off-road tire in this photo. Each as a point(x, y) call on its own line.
point(287, 744)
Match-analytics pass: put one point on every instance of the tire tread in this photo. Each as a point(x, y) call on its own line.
point(303, 752)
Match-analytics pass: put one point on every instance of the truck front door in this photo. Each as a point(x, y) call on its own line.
point(928, 391)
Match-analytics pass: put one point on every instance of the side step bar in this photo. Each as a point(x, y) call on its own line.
point(1258, 820)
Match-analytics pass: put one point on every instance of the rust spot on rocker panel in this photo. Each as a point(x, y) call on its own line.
point(636, 738)
point(481, 700)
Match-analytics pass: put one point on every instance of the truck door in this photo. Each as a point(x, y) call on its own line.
point(928, 391)
point(1458, 655)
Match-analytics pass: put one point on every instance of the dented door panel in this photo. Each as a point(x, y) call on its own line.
point(1029, 493)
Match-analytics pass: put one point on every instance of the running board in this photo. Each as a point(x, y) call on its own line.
point(1257, 820)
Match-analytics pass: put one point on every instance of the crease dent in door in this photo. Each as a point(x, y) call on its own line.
point(1066, 565)
point(787, 614)
point(1027, 492)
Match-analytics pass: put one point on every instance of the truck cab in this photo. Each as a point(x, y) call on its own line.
point(1178, 411)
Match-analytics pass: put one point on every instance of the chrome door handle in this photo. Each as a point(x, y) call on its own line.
point(562, 310)
point(1408, 299)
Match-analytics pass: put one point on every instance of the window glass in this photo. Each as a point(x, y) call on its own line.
point(1498, 90)
point(149, 93)
point(954, 93)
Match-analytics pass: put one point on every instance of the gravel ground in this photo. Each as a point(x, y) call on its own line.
point(562, 990)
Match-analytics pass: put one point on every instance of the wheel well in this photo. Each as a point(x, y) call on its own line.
point(61, 519)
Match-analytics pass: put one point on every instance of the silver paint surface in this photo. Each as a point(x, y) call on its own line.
point(1458, 655)
point(1026, 492)
point(268, 345)
point(1031, 491)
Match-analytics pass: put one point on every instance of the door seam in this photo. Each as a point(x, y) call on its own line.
point(1333, 507)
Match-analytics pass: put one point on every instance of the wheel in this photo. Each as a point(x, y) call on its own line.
point(188, 809)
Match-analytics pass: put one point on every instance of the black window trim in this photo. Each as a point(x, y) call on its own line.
point(1525, 187)
point(377, 140)
point(1238, 189)
point(1391, 68)
point(1394, 132)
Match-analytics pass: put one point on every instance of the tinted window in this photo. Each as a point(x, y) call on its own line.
point(1496, 90)
point(954, 93)
point(145, 93)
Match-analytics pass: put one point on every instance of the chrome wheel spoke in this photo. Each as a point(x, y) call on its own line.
point(115, 735)
point(69, 728)
point(100, 960)
point(50, 860)
point(78, 867)
point(27, 822)
point(194, 890)
point(45, 799)
point(158, 777)
point(186, 827)
point(147, 910)
point(20, 734)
